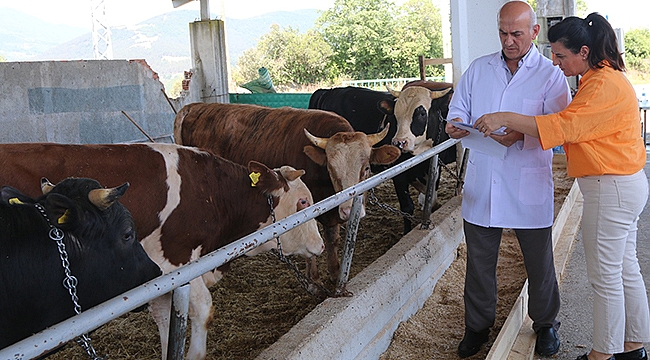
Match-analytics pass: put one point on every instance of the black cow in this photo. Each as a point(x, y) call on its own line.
point(99, 238)
point(370, 111)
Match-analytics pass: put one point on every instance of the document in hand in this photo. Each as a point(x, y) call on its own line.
point(485, 144)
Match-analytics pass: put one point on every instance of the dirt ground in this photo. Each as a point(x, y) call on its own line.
point(260, 299)
point(435, 331)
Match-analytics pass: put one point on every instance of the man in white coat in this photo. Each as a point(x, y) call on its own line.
point(515, 191)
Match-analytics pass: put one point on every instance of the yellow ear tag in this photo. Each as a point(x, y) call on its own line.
point(15, 201)
point(63, 219)
point(255, 178)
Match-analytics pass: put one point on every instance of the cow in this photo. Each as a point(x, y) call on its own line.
point(185, 203)
point(420, 110)
point(99, 238)
point(334, 156)
point(369, 111)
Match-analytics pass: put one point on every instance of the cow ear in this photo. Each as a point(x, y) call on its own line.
point(290, 173)
point(264, 178)
point(386, 107)
point(62, 211)
point(317, 155)
point(384, 155)
point(11, 196)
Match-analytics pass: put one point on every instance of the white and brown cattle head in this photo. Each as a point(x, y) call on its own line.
point(348, 156)
point(292, 196)
point(412, 111)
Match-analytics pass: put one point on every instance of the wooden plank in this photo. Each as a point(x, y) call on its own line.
point(440, 61)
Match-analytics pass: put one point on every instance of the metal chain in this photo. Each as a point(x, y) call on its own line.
point(69, 281)
point(375, 201)
point(304, 281)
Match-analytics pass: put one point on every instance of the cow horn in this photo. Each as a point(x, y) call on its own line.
point(104, 198)
point(319, 142)
point(395, 93)
point(440, 93)
point(375, 138)
point(46, 186)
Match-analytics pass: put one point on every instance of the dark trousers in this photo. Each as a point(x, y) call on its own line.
point(481, 280)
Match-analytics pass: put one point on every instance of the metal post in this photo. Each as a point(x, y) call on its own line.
point(461, 172)
point(431, 195)
point(178, 323)
point(348, 250)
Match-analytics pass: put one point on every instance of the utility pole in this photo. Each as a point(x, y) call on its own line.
point(102, 45)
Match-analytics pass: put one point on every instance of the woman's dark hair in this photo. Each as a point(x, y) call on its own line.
point(595, 32)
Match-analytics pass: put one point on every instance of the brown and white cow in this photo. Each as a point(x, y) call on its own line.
point(420, 110)
point(333, 155)
point(184, 202)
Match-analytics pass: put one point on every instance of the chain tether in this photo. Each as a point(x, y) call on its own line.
point(69, 282)
point(314, 289)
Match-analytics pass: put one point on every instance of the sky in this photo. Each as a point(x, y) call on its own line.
point(625, 14)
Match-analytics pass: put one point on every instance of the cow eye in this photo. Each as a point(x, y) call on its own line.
point(129, 235)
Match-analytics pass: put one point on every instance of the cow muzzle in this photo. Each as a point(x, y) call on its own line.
point(345, 210)
point(403, 144)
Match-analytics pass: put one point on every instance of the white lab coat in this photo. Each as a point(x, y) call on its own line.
point(517, 191)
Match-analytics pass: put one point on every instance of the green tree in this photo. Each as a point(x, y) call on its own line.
point(637, 51)
point(418, 31)
point(358, 31)
point(290, 57)
point(356, 39)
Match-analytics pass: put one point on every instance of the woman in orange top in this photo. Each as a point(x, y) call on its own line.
point(600, 133)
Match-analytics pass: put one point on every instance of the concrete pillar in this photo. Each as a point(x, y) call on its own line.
point(210, 65)
point(474, 31)
point(550, 12)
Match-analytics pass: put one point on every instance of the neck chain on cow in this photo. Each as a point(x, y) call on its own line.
point(307, 283)
point(269, 199)
point(69, 281)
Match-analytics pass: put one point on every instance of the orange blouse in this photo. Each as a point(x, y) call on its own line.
point(600, 129)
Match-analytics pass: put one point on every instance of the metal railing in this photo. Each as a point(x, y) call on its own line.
point(93, 318)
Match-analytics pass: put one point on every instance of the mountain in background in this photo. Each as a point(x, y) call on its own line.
point(163, 41)
point(23, 36)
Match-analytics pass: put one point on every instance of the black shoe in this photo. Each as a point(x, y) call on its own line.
point(638, 354)
point(584, 357)
point(472, 342)
point(548, 342)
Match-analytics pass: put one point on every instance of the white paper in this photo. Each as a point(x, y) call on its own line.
point(485, 144)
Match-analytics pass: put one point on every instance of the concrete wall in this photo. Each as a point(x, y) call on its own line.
point(81, 102)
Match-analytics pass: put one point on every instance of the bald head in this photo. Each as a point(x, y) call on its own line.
point(517, 10)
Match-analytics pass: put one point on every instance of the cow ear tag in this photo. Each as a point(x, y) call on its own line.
point(15, 201)
point(255, 178)
point(63, 218)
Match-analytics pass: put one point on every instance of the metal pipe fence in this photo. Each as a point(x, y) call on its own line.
point(93, 318)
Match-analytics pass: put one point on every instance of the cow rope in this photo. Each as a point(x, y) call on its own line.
point(308, 284)
point(69, 281)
